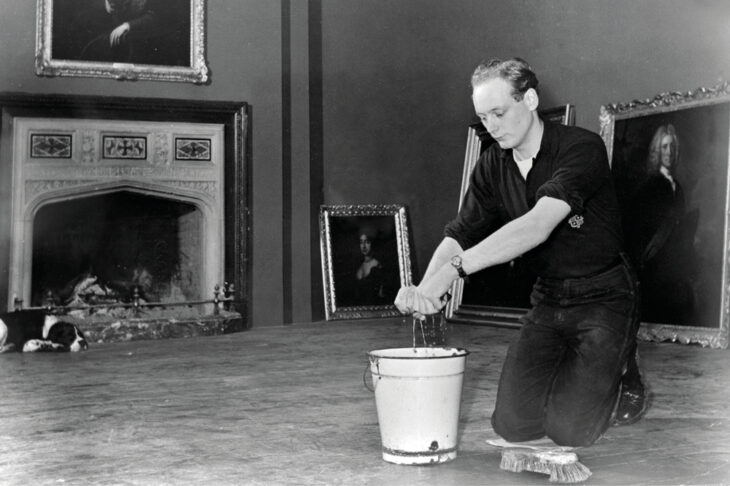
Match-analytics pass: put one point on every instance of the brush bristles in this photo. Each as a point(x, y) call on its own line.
point(563, 467)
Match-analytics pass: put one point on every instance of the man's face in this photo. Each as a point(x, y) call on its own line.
point(668, 152)
point(506, 119)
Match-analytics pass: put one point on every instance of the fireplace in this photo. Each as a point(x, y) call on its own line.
point(112, 248)
point(110, 211)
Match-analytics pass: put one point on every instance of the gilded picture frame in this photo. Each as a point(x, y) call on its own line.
point(153, 40)
point(366, 258)
point(496, 296)
point(669, 156)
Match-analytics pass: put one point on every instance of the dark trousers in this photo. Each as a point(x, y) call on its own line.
point(561, 377)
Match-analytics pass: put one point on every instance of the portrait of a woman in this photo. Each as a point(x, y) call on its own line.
point(370, 275)
point(365, 261)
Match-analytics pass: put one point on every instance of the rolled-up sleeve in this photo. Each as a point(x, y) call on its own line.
point(583, 170)
point(479, 215)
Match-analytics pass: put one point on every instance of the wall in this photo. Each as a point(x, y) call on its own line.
point(362, 101)
point(396, 96)
point(243, 40)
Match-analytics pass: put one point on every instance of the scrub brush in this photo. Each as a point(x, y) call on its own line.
point(544, 457)
point(562, 466)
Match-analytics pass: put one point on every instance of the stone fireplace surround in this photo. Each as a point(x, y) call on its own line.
point(61, 160)
point(59, 148)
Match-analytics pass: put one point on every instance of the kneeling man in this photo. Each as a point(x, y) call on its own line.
point(544, 192)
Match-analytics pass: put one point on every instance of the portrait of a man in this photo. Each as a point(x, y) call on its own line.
point(671, 174)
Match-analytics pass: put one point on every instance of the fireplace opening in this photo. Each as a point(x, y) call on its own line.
point(117, 247)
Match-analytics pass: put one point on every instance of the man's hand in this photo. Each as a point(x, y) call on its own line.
point(434, 288)
point(118, 34)
point(429, 297)
point(410, 301)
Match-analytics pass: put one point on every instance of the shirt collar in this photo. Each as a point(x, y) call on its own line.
point(549, 136)
point(667, 175)
point(665, 172)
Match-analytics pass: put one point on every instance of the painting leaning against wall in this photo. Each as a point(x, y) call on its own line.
point(365, 259)
point(669, 156)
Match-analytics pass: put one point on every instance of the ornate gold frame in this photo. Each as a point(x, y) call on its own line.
point(195, 72)
point(330, 271)
point(672, 107)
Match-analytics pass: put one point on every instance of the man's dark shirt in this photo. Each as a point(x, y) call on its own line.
point(571, 165)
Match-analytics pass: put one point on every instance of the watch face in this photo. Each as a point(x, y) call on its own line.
point(456, 263)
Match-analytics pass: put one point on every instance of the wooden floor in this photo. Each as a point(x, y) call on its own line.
point(287, 405)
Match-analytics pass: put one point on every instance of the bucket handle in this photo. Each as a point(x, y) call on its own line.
point(365, 381)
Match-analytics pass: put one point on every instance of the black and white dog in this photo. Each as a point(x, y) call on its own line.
point(35, 330)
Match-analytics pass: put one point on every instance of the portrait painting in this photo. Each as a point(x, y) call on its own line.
point(124, 39)
point(669, 157)
point(365, 259)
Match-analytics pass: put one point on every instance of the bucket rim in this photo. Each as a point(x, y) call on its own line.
point(459, 353)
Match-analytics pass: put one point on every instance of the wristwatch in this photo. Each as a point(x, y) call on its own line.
point(456, 263)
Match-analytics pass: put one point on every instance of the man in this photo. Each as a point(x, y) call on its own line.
point(545, 192)
point(662, 235)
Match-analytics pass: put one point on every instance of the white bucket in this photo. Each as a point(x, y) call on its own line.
point(418, 398)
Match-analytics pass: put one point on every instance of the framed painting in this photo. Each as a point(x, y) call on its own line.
point(365, 259)
point(669, 157)
point(160, 40)
point(500, 295)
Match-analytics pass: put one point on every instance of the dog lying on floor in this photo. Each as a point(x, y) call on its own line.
point(34, 330)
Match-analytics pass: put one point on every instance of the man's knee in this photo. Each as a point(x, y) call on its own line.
point(573, 434)
point(515, 431)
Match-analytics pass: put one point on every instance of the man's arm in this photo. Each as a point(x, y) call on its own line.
point(518, 236)
point(408, 299)
point(507, 243)
point(446, 249)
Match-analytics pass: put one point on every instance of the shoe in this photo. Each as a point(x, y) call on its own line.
point(632, 405)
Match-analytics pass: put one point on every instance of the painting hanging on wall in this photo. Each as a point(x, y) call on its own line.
point(669, 156)
point(365, 259)
point(160, 40)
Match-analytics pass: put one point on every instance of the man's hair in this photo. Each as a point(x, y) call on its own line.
point(654, 160)
point(515, 71)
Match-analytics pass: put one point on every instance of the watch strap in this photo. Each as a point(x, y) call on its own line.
point(456, 263)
